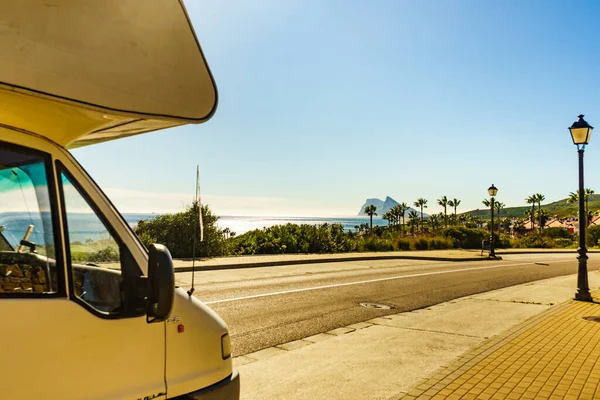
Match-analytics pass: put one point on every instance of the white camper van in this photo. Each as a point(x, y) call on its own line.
point(87, 312)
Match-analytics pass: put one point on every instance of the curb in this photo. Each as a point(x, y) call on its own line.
point(574, 251)
point(328, 260)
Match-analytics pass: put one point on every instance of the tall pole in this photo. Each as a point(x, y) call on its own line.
point(492, 252)
point(583, 290)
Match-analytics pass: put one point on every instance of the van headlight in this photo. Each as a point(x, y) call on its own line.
point(225, 346)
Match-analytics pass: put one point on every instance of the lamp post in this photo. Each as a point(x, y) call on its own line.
point(492, 191)
point(581, 132)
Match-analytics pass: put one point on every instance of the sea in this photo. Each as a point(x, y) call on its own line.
point(241, 225)
point(87, 226)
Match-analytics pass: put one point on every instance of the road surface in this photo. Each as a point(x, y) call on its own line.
point(267, 306)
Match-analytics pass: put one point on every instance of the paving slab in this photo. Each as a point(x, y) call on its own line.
point(344, 366)
point(341, 331)
point(469, 317)
point(555, 355)
point(241, 360)
point(266, 353)
point(296, 344)
point(319, 337)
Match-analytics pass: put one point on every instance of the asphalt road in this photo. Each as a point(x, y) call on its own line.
point(268, 306)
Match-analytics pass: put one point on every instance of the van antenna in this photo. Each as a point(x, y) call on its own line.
point(197, 223)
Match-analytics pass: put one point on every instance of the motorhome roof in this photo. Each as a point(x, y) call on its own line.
point(87, 71)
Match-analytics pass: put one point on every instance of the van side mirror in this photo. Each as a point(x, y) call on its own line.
point(161, 281)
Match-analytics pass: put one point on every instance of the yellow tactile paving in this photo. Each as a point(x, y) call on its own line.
point(553, 356)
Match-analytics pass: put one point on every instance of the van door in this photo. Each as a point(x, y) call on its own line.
point(74, 323)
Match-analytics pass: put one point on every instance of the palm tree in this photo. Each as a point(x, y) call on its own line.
point(370, 211)
point(506, 222)
point(531, 200)
point(574, 198)
point(395, 214)
point(518, 226)
point(402, 209)
point(413, 220)
point(423, 204)
point(487, 203)
point(454, 203)
point(543, 218)
point(539, 198)
point(444, 203)
point(530, 215)
point(499, 206)
point(388, 217)
point(434, 221)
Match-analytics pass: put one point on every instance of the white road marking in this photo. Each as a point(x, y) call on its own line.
point(371, 281)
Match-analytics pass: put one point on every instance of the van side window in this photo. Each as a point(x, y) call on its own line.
point(94, 252)
point(27, 255)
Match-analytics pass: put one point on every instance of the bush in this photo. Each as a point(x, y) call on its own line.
point(440, 243)
point(556, 232)
point(465, 238)
point(402, 244)
point(176, 231)
point(502, 241)
point(533, 241)
point(564, 242)
point(419, 243)
point(593, 235)
point(104, 255)
point(376, 244)
point(292, 238)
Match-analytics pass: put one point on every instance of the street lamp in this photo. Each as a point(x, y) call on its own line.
point(581, 132)
point(492, 191)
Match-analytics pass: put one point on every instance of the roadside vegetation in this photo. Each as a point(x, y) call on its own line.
point(407, 229)
point(180, 233)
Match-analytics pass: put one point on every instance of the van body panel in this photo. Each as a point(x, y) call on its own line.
point(128, 61)
point(194, 357)
point(68, 353)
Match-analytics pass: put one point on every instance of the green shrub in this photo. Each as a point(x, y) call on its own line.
point(533, 241)
point(502, 241)
point(465, 238)
point(377, 244)
point(402, 244)
point(556, 232)
point(293, 238)
point(419, 243)
point(176, 231)
point(440, 243)
point(564, 242)
point(593, 235)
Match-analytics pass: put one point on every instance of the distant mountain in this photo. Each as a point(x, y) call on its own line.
point(558, 208)
point(375, 202)
point(385, 206)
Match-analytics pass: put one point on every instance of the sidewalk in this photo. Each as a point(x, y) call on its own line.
point(212, 264)
point(273, 260)
point(538, 342)
point(552, 356)
point(185, 265)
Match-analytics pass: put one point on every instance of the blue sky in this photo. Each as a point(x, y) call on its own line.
point(323, 104)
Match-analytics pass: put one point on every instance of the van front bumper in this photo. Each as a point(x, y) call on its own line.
point(227, 389)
